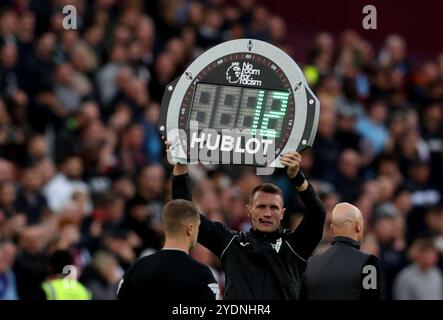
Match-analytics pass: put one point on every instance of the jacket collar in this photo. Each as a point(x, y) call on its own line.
point(346, 241)
point(271, 236)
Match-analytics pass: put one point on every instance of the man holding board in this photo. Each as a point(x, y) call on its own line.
point(266, 262)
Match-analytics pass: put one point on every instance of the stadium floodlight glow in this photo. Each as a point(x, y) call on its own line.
point(243, 97)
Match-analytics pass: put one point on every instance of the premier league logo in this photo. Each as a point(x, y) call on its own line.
point(233, 73)
point(243, 75)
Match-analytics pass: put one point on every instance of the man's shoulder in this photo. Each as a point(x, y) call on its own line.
point(141, 263)
point(371, 259)
point(158, 264)
point(56, 181)
point(147, 258)
point(407, 273)
point(318, 258)
point(201, 269)
point(337, 249)
point(162, 254)
point(180, 259)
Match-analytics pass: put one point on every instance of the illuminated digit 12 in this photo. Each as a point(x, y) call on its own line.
point(257, 112)
point(272, 114)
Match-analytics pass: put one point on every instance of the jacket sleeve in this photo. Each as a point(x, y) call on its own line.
point(210, 290)
point(124, 290)
point(213, 235)
point(310, 231)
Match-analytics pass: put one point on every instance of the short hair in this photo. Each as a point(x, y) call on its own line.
point(58, 260)
point(176, 214)
point(424, 243)
point(266, 187)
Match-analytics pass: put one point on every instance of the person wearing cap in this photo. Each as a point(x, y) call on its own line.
point(343, 272)
point(170, 274)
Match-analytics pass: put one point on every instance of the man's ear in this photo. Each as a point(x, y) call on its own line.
point(189, 229)
point(249, 210)
point(282, 213)
point(358, 226)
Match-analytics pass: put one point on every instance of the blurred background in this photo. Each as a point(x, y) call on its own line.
point(83, 173)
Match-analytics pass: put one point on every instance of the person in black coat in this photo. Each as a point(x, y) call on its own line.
point(267, 262)
point(343, 272)
point(171, 274)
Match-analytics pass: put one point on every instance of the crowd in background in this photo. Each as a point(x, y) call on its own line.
point(83, 168)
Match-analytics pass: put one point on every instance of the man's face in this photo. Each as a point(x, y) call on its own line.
point(73, 168)
point(266, 211)
point(32, 180)
point(428, 258)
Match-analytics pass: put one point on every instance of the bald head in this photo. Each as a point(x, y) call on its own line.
point(347, 221)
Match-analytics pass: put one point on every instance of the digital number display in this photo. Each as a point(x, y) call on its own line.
point(247, 109)
point(244, 102)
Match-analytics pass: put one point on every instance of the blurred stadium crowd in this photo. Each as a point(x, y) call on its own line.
point(83, 168)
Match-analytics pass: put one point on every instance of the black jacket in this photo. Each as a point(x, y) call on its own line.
point(168, 275)
point(339, 273)
point(261, 265)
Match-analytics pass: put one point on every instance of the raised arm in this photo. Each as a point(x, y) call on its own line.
point(181, 186)
point(310, 231)
point(212, 235)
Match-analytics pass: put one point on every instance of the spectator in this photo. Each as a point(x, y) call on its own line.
point(60, 189)
point(8, 289)
point(12, 137)
point(138, 220)
point(57, 287)
point(68, 138)
point(150, 182)
point(30, 200)
point(421, 280)
point(8, 196)
point(165, 70)
point(326, 147)
point(7, 170)
point(130, 153)
point(373, 127)
point(40, 68)
point(8, 27)
point(10, 77)
point(394, 53)
point(392, 258)
point(102, 276)
point(434, 221)
point(107, 75)
point(346, 134)
point(105, 219)
point(68, 91)
point(30, 267)
point(348, 180)
point(152, 142)
point(123, 185)
point(122, 244)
